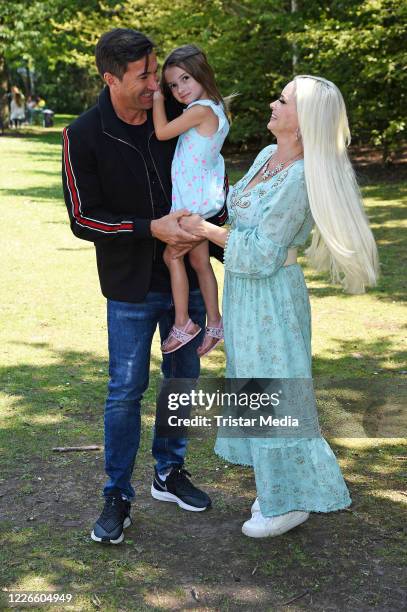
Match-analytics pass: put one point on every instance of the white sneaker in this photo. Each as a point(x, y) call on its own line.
point(260, 526)
point(256, 506)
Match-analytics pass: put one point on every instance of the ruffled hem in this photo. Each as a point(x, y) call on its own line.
point(321, 489)
point(232, 460)
point(217, 109)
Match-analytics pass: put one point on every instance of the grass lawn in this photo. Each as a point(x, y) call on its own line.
point(52, 389)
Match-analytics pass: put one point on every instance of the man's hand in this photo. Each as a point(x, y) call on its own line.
point(167, 230)
point(178, 252)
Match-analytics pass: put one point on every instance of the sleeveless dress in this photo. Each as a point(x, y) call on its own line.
point(267, 324)
point(198, 168)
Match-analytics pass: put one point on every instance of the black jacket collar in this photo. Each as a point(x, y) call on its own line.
point(111, 124)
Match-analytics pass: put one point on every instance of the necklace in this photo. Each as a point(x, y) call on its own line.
point(266, 173)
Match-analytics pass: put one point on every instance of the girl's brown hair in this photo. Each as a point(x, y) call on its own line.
point(191, 59)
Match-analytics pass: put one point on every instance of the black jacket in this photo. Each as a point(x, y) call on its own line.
point(108, 195)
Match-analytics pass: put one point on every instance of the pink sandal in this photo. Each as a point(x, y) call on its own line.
point(177, 338)
point(213, 336)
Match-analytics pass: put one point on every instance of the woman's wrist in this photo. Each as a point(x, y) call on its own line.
point(205, 230)
point(215, 234)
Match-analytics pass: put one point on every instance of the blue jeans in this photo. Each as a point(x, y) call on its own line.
point(130, 329)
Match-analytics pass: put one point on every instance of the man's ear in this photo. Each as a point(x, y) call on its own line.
point(109, 79)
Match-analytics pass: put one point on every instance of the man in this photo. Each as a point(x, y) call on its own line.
point(117, 187)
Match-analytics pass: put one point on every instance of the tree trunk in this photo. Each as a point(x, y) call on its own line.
point(4, 88)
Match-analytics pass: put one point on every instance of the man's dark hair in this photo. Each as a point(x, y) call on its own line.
point(118, 47)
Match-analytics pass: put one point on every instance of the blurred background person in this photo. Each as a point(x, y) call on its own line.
point(30, 106)
point(17, 108)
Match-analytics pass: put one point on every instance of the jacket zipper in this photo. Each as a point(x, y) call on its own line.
point(155, 167)
point(148, 178)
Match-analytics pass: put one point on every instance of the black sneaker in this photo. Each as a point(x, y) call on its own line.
point(177, 488)
point(115, 517)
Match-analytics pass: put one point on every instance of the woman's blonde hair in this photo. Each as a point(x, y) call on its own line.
point(342, 241)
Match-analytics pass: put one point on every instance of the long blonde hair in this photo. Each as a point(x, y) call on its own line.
point(342, 241)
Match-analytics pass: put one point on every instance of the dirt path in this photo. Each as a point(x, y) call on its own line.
point(175, 560)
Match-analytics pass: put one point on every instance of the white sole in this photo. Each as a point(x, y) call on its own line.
point(126, 523)
point(275, 532)
point(170, 497)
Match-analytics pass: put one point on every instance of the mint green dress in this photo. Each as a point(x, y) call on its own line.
point(267, 323)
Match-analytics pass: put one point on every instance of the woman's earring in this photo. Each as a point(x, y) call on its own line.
point(298, 134)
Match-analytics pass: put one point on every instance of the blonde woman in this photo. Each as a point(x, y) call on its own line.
point(305, 179)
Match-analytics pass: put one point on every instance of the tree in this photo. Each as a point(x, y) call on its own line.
point(360, 45)
point(255, 47)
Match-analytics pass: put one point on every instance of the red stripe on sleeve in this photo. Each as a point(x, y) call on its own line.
point(76, 202)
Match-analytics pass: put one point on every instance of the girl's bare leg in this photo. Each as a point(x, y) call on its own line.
point(179, 286)
point(199, 258)
point(184, 330)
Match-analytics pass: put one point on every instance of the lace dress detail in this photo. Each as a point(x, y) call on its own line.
point(267, 327)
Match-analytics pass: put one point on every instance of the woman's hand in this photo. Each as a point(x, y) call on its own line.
point(194, 224)
point(167, 229)
point(192, 229)
point(201, 229)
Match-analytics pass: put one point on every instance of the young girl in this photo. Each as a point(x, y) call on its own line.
point(198, 173)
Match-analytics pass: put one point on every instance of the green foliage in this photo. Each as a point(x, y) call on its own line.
point(255, 46)
point(360, 45)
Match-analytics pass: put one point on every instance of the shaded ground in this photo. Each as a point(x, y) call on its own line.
point(52, 388)
point(175, 560)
